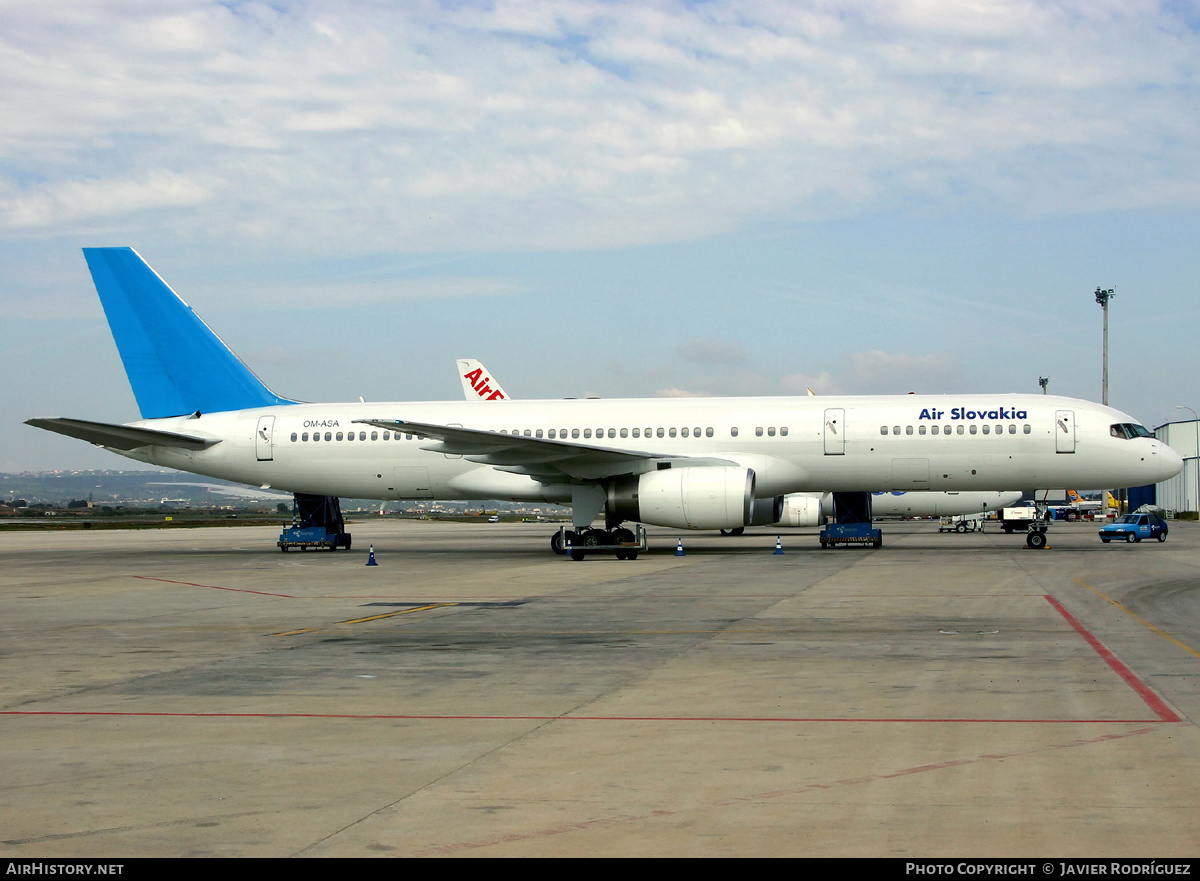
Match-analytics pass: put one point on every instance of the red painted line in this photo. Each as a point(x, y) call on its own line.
point(533, 718)
point(216, 587)
point(1147, 694)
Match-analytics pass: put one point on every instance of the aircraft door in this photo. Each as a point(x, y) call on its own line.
point(1064, 431)
point(835, 435)
point(264, 443)
point(910, 474)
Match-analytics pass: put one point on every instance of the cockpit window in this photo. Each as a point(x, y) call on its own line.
point(1129, 430)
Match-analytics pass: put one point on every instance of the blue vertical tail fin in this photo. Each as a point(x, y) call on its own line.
point(175, 363)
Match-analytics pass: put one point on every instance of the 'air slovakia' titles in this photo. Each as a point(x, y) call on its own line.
point(963, 413)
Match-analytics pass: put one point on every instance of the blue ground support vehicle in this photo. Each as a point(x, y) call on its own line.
point(1135, 527)
point(316, 523)
point(852, 523)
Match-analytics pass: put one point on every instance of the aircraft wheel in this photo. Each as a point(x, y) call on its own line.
point(1036, 540)
point(622, 536)
point(556, 542)
point(592, 538)
point(1130, 538)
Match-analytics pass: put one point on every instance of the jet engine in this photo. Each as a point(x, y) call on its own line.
point(699, 497)
point(766, 511)
point(801, 510)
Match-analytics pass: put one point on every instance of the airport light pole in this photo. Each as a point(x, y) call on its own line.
point(1196, 460)
point(1102, 297)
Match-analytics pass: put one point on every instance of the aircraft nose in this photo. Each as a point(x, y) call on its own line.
point(1170, 463)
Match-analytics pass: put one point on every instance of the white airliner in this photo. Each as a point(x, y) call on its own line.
point(799, 509)
point(700, 463)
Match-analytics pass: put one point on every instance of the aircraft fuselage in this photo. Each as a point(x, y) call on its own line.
point(868, 444)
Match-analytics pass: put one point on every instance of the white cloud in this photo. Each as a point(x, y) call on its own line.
point(341, 294)
point(710, 352)
point(567, 124)
point(60, 203)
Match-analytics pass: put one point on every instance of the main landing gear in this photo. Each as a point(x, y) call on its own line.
point(620, 541)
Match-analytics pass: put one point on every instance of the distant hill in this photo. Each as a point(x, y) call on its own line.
point(126, 488)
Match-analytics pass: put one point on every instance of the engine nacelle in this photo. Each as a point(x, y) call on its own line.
point(801, 510)
point(766, 511)
point(700, 497)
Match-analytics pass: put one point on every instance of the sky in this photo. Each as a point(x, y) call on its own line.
point(597, 197)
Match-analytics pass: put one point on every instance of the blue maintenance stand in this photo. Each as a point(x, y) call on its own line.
point(316, 523)
point(852, 523)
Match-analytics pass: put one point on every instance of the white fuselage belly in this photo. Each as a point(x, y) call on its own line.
point(831, 444)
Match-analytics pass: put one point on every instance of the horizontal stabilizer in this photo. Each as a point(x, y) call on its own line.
point(121, 437)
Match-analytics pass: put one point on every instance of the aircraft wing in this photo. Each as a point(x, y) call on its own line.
point(121, 437)
point(543, 459)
